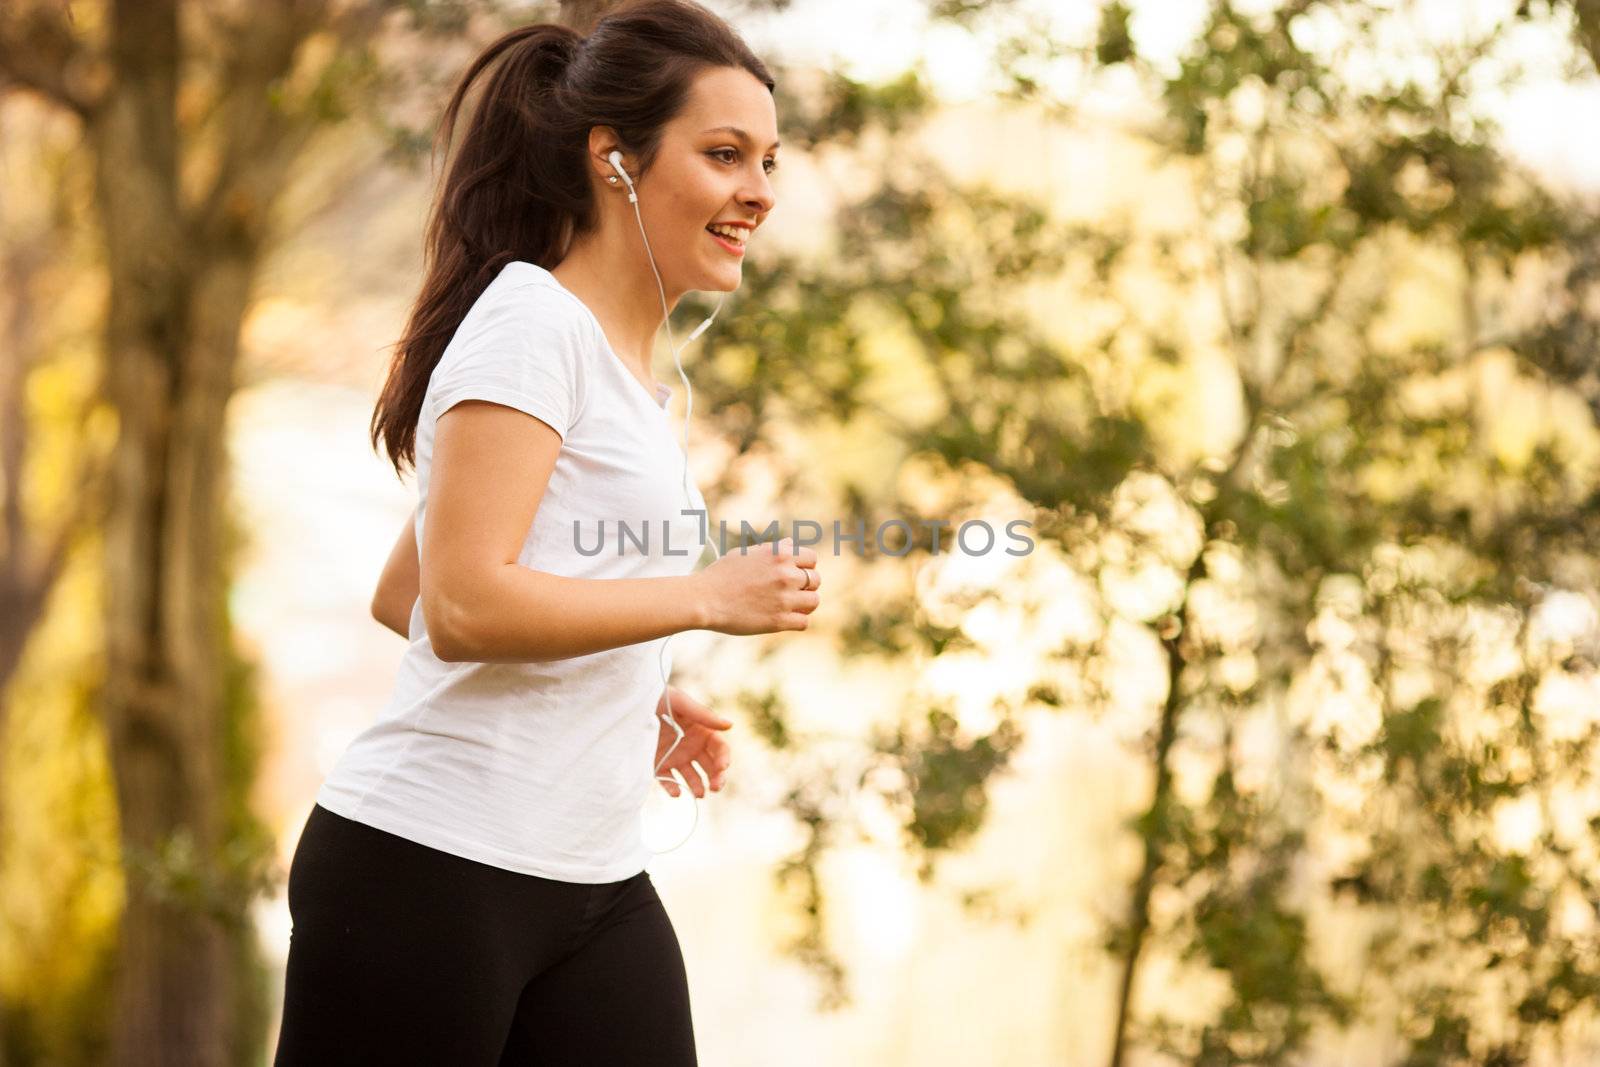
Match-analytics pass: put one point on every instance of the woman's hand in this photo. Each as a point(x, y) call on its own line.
point(761, 589)
point(701, 743)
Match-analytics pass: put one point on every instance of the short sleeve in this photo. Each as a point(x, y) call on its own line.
point(522, 346)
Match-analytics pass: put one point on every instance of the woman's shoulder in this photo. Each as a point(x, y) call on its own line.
point(528, 285)
point(526, 298)
point(522, 344)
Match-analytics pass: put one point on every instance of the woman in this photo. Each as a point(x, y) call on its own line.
point(470, 887)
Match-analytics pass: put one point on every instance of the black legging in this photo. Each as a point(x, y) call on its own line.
point(403, 954)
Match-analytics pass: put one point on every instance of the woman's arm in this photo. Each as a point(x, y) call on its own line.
point(399, 585)
point(491, 464)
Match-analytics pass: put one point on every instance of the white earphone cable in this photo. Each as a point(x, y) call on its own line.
point(666, 314)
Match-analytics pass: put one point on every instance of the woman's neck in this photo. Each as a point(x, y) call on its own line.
point(614, 280)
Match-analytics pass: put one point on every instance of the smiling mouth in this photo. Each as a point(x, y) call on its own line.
point(735, 247)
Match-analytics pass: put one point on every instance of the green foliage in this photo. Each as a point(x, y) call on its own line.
point(1315, 194)
point(1116, 41)
point(59, 922)
point(765, 715)
point(1238, 858)
point(846, 108)
point(947, 770)
point(1232, 50)
point(895, 631)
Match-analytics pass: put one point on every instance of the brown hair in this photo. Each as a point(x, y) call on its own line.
point(518, 187)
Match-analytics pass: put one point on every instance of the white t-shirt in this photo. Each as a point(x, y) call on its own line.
point(541, 768)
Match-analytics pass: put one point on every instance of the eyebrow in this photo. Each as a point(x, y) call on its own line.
point(737, 132)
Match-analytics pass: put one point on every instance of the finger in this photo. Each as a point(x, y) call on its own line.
point(810, 580)
point(701, 715)
point(686, 709)
point(700, 779)
point(798, 553)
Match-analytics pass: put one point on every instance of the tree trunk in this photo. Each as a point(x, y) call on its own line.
point(162, 701)
point(1154, 824)
point(178, 282)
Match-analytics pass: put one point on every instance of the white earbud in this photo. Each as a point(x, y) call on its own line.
point(615, 159)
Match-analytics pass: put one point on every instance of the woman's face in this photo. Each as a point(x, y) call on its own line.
point(705, 173)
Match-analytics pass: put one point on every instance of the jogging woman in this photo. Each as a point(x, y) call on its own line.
point(470, 886)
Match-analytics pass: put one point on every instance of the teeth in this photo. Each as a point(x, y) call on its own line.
point(732, 233)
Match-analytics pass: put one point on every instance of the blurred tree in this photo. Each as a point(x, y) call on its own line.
point(1352, 546)
point(33, 556)
point(51, 493)
point(187, 160)
point(192, 118)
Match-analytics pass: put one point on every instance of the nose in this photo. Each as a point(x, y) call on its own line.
point(759, 198)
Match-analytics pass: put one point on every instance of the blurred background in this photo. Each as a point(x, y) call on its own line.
point(1278, 321)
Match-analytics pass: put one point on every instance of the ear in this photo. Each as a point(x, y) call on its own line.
point(602, 142)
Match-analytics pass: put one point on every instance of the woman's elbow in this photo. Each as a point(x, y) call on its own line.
point(446, 630)
point(393, 615)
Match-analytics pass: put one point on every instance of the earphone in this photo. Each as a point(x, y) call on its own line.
point(615, 159)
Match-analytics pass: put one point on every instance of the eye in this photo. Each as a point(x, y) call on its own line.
point(771, 164)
